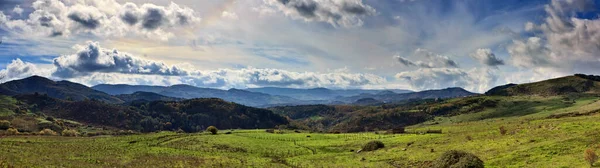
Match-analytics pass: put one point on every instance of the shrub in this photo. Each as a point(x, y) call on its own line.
point(373, 145)
point(590, 156)
point(51, 119)
point(212, 129)
point(270, 130)
point(47, 132)
point(25, 124)
point(502, 130)
point(12, 131)
point(49, 125)
point(4, 124)
point(457, 159)
point(70, 133)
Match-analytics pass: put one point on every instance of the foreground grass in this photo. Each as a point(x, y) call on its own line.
point(531, 141)
point(536, 143)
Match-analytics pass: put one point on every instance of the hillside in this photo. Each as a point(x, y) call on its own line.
point(189, 115)
point(318, 93)
point(391, 97)
point(559, 86)
point(346, 118)
point(146, 96)
point(189, 92)
point(57, 89)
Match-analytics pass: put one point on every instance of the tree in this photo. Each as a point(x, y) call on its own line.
point(212, 129)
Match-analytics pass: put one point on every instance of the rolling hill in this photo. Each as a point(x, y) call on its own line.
point(188, 92)
point(146, 96)
point(318, 93)
point(391, 97)
point(57, 89)
point(578, 83)
point(191, 115)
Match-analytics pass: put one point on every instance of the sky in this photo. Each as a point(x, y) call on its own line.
point(339, 44)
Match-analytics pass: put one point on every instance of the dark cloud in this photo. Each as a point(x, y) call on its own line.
point(305, 8)
point(86, 21)
point(337, 13)
point(130, 14)
point(46, 20)
point(63, 18)
point(404, 61)
point(129, 18)
point(153, 18)
point(486, 57)
point(355, 8)
point(450, 63)
point(431, 60)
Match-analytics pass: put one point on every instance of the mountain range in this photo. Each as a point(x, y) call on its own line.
point(256, 97)
point(319, 93)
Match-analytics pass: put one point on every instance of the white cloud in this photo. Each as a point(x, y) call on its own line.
point(106, 18)
point(561, 41)
point(486, 57)
point(19, 69)
point(92, 64)
point(229, 15)
point(338, 13)
point(428, 59)
point(18, 10)
point(475, 80)
point(93, 58)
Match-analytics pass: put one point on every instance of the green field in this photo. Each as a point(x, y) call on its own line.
point(532, 140)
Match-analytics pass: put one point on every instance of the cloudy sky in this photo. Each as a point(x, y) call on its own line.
point(376, 44)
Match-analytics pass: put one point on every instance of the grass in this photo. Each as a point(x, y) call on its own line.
point(532, 140)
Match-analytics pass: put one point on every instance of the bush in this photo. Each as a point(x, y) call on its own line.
point(270, 130)
point(70, 133)
point(49, 125)
point(12, 131)
point(47, 132)
point(212, 129)
point(4, 124)
point(457, 159)
point(373, 145)
point(502, 130)
point(51, 119)
point(590, 156)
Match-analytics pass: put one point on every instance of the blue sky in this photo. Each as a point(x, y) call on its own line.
point(376, 44)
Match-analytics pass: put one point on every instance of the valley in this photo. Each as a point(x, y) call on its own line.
point(510, 126)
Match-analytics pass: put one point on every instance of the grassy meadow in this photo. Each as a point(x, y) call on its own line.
point(531, 139)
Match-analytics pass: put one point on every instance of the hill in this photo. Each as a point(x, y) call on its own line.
point(189, 115)
point(146, 96)
point(188, 92)
point(391, 97)
point(318, 93)
point(578, 83)
point(57, 89)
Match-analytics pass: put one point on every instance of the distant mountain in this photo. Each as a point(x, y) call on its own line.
point(57, 89)
point(319, 93)
point(578, 83)
point(146, 96)
point(390, 97)
point(126, 89)
point(188, 92)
